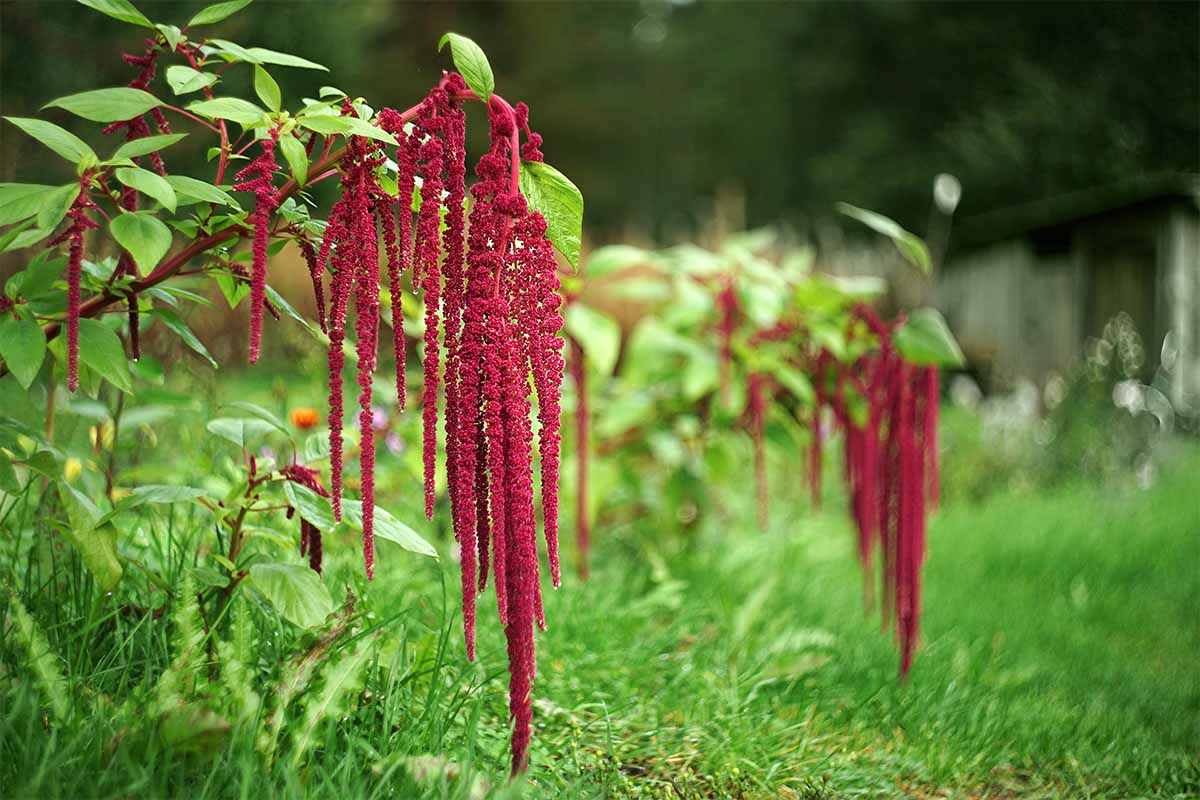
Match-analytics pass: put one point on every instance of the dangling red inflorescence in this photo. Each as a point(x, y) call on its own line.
point(310, 534)
point(349, 241)
point(73, 234)
point(257, 177)
point(495, 297)
point(891, 469)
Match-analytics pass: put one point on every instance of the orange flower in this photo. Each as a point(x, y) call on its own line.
point(304, 418)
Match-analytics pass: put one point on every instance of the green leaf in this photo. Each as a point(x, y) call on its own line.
point(258, 412)
point(238, 431)
point(100, 349)
point(925, 339)
point(172, 34)
point(23, 347)
point(107, 105)
point(559, 201)
point(120, 9)
point(144, 235)
point(184, 80)
point(310, 506)
point(360, 127)
point(20, 201)
point(236, 109)
point(14, 233)
point(97, 547)
point(296, 156)
point(325, 124)
point(316, 447)
point(910, 245)
point(172, 321)
point(148, 183)
point(615, 258)
point(264, 56)
point(146, 145)
point(598, 334)
point(190, 190)
point(472, 63)
point(8, 476)
point(217, 12)
point(61, 141)
point(56, 205)
point(295, 591)
point(266, 88)
point(387, 527)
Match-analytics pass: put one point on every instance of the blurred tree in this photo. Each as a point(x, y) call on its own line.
point(652, 106)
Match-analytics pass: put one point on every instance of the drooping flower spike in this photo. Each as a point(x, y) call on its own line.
point(490, 293)
point(73, 235)
point(258, 177)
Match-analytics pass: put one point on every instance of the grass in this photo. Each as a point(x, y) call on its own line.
point(1059, 659)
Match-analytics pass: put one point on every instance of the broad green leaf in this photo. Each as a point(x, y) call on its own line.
point(232, 287)
point(107, 105)
point(172, 321)
point(910, 245)
point(238, 431)
point(144, 235)
point(365, 129)
point(925, 339)
point(123, 10)
point(258, 412)
point(97, 547)
point(148, 183)
point(236, 109)
point(234, 49)
point(264, 56)
point(184, 80)
point(387, 527)
point(470, 61)
point(266, 88)
point(8, 476)
point(310, 506)
point(598, 334)
point(330, 91)
point(325, 124)
point(23, 347)
point(190, 190)
point(295, 591)
point(100, 349)
point(172, 34)
point(392, 529)
point(146, 145)
point(20, 201)
point(61, 141)
point(316, 447)
point(56, 206)
point(559, 201)
point(15, 232)
point(166, 493)
point(217, 12)
point(296, 156)
point(616, 257)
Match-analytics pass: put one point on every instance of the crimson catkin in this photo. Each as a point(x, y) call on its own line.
point(891, 469)
point(73, 235)
point(494, 301)
point(257, 177)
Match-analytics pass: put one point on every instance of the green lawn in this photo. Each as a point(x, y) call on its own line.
point(1060, 656)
